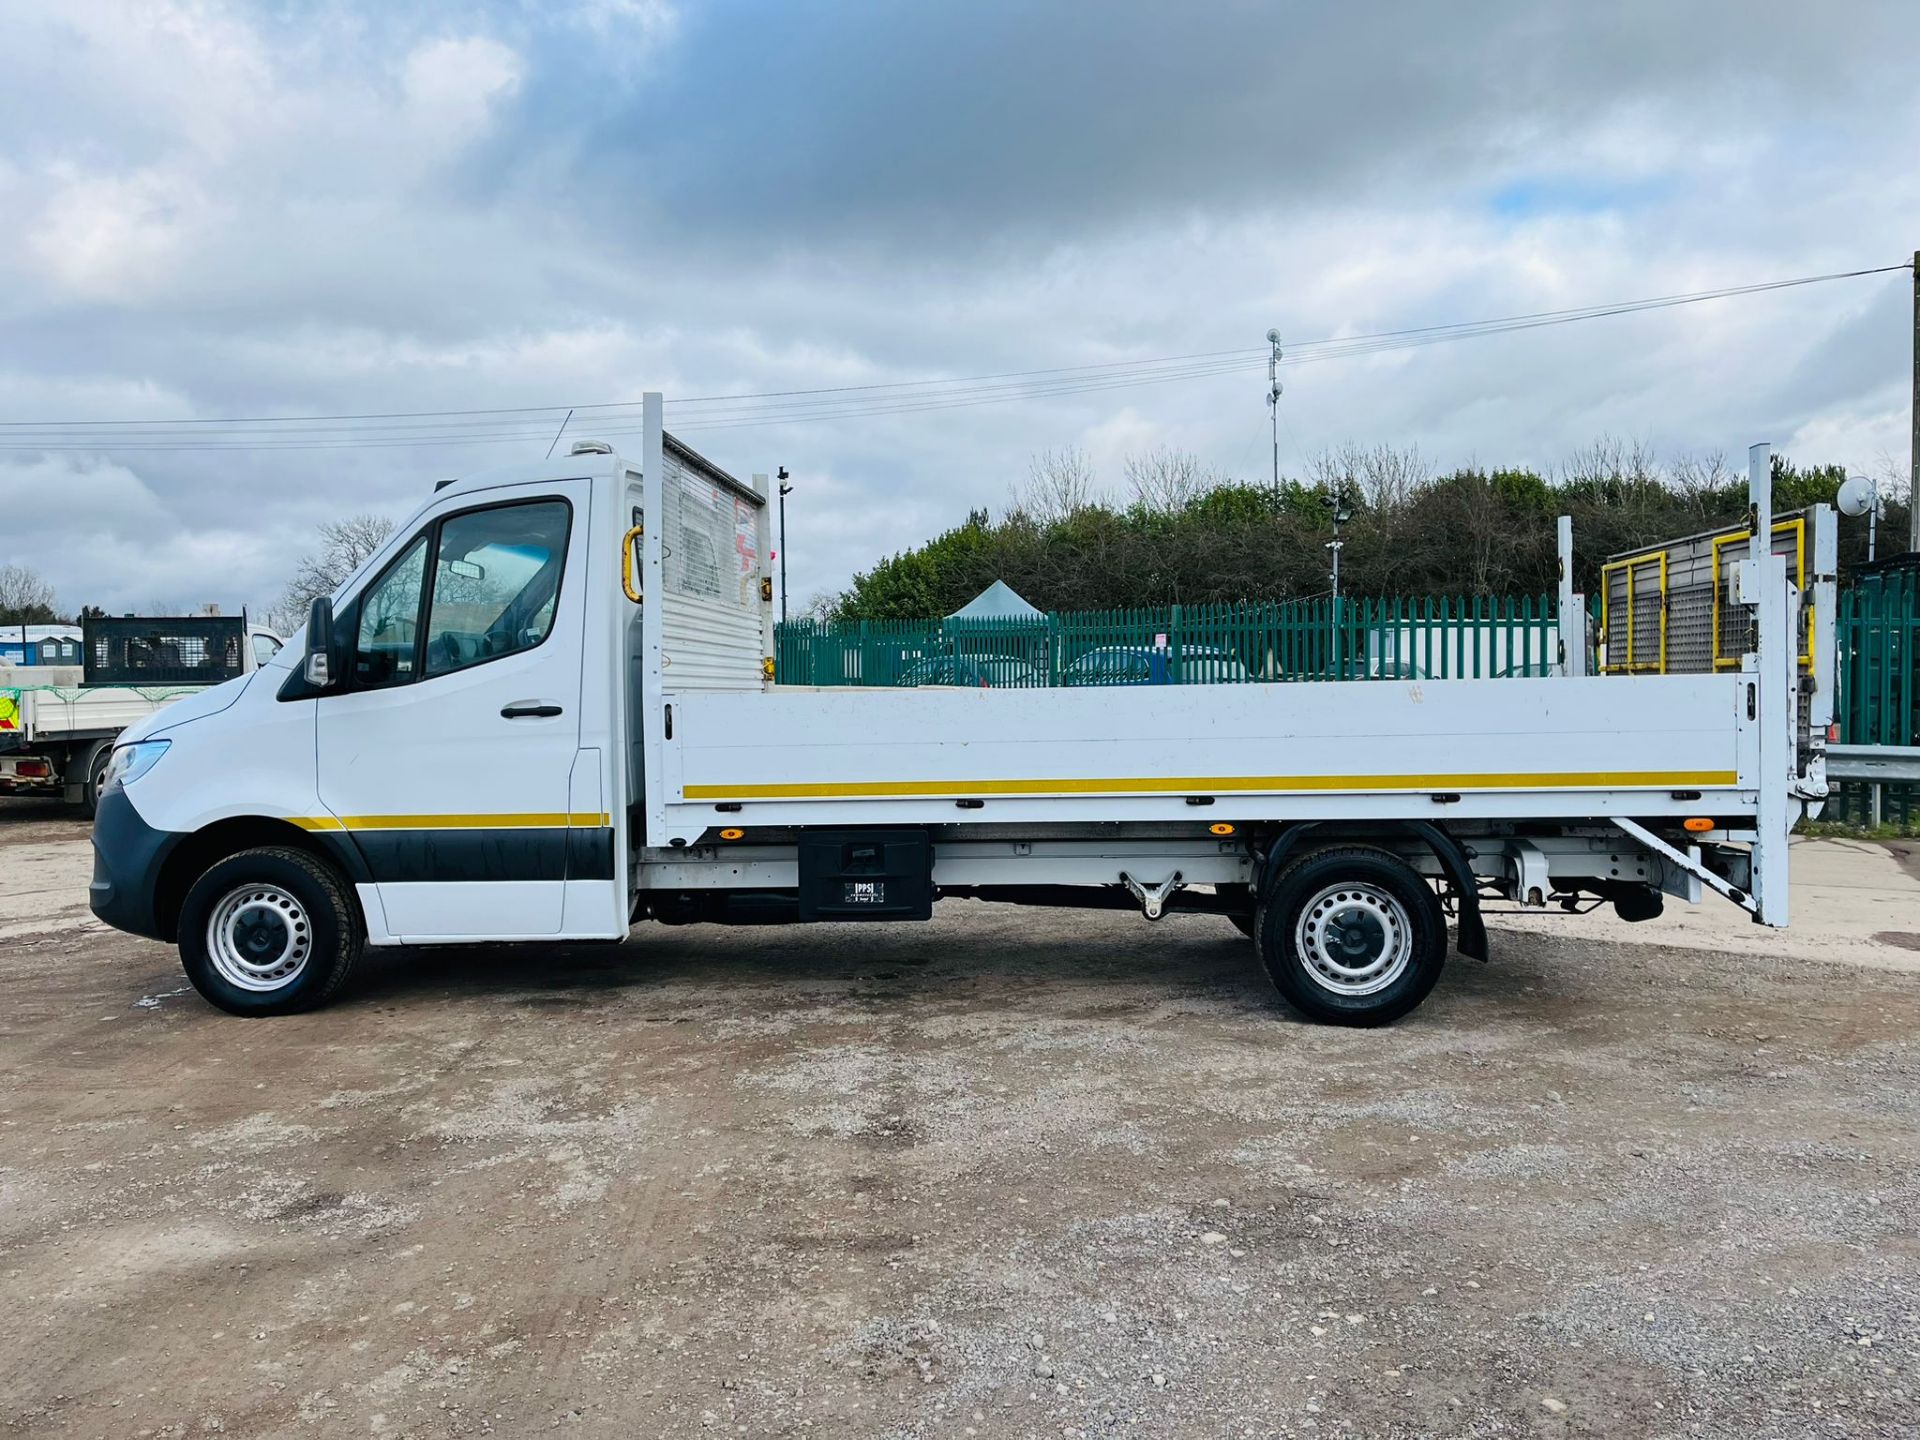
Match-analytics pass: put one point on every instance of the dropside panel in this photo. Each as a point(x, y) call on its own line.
point(1435, 750)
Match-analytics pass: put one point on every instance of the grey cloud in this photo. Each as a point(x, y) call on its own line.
point(760, 198)
point(926, 128)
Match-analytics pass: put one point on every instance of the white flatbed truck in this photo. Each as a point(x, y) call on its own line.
point(545, 711)
point(58, 723)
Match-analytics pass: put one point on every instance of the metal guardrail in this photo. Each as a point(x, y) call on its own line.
point(1884, 764)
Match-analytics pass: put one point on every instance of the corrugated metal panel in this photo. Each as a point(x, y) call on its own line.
point(705, 646)
point(679, 453)
point(710, 609)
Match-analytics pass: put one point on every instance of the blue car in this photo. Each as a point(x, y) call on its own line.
point(1146, 665)
point(975, 671)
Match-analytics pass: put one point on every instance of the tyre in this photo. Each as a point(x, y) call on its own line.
point(269, 932)
point(95, 776)
point(1352, 936)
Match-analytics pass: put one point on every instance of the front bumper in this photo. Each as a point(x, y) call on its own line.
point(127, 856)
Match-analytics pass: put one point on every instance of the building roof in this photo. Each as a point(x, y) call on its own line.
point(37, 633)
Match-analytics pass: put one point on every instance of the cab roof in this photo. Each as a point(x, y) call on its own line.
point(591, 463)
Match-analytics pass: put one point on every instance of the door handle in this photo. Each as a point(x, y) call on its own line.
point(528, 710)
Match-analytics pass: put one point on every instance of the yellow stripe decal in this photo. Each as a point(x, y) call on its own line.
point(454, 822)
point(1223, 784)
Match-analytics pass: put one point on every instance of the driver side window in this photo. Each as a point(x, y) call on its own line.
point(495, 582)
point(470, 588)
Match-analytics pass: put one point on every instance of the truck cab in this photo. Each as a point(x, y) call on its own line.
point(457, 744)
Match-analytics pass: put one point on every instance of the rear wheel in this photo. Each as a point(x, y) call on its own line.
point(269, 932)
point(1352, 936)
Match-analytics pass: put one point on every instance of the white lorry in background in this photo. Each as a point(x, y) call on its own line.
point(60, 715)
point(545, 709)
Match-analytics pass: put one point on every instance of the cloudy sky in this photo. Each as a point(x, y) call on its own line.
point(224, 210)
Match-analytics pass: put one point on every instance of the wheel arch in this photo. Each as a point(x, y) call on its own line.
point(191, 858)
point(76, 770)
point(1309, 835)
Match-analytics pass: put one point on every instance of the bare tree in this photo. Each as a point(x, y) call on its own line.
point(1168, 480)
point(344, 545)
point(1613, 461)
point(25, 599)
point(1489, 546)
point(1059, 484)
point(1698, 479)
point(1896, 480)
point(1385, 475)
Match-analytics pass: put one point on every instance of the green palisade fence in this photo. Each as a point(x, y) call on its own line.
point(1877, 664)
point(1877, 657)
point(1364, 638)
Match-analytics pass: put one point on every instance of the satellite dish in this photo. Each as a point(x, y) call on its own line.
point(1273, 337)
point(1856, 496)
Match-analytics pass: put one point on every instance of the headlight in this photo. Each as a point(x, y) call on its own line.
point(130, 762)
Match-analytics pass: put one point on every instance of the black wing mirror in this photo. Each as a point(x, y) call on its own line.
point(325, 665)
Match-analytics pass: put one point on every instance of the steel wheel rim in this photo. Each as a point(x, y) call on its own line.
point(259, 938)
point(1354, 939)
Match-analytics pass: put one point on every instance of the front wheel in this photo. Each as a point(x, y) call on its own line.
point(1352, 936)
point(95, 778)
point(269, 932)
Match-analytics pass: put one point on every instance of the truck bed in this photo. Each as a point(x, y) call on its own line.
point(63, 712)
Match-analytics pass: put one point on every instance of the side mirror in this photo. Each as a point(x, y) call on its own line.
point(322, 654)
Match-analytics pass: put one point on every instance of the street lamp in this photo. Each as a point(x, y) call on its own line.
point(785, 490)
point(1273, 401)
point(1342, 506)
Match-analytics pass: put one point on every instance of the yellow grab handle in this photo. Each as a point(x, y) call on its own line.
point(626, 562)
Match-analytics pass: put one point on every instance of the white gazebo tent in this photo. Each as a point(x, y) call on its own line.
point(998, 621)
point(999, 601)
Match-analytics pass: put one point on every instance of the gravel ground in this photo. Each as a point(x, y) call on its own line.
point(1015, 1173)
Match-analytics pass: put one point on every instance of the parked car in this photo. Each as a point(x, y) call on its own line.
point(1145, 665)
point(989, 671)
